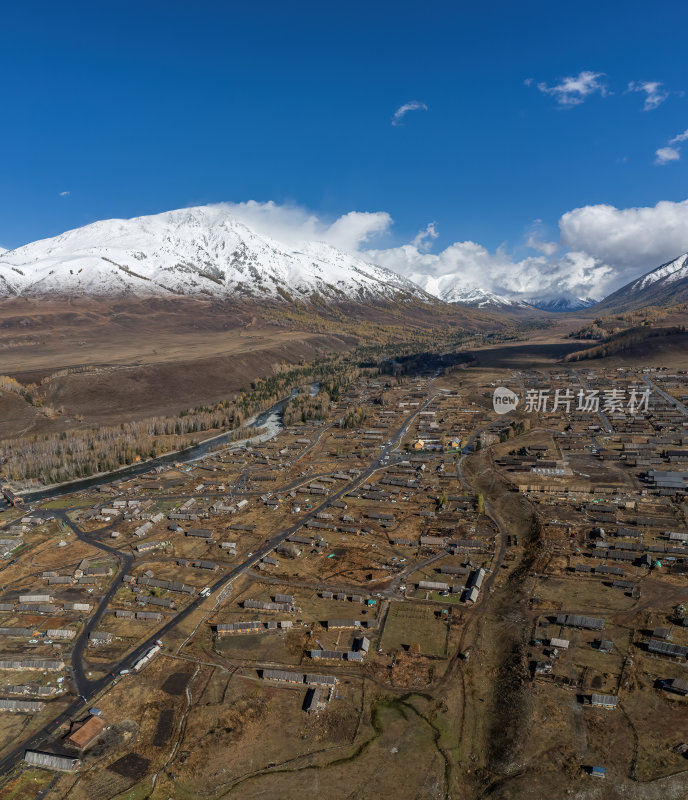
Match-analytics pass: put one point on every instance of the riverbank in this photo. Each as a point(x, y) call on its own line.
point(270, 420)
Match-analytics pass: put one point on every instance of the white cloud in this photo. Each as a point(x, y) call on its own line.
point(631, 240)
point(654, 94)
point(667, 154)
point(670, 152)
point(401, 112)
point(546, 248)
point(423, 239)
point(573, 90)
point(293, 224)
point(601, 248)
point(606, 248)
point(680, 138)
point(356, 228)
point(465, 265)
point(538, 236)
point(63, 194)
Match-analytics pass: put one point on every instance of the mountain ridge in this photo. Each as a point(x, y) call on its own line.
point(562, 305)
point(199, 250)
point(476, 297)
point(205, 251)
point(665, 285)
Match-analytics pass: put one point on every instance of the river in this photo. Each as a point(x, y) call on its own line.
point(271, 420)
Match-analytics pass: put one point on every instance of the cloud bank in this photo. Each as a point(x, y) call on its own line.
point(632, 240)
point(294, 224)
point(600, 248)
point(467, 265)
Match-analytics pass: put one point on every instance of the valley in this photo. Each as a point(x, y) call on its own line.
point(363, 562)
point(343, 401)
point(404, 577)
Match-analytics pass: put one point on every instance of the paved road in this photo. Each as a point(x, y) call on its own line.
point(88, 690)
point(415, 566)
point(603, 417)
point(671, 400)
point(81, 684)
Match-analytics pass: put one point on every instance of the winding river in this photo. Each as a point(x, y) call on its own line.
point(271, 420)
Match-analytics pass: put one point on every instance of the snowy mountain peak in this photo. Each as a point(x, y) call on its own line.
point(664, 286)
point(193, 251)
point(668, 273)
point(454, 288)
point(479, 298)
point(563, 304)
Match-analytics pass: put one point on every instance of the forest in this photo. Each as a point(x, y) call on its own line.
point(624, 341)
point(52, 458)
point(47, 459)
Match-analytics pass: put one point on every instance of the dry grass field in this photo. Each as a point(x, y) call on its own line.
point(448, 702)
point(410, 626)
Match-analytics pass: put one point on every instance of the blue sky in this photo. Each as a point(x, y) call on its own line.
point(139, 107)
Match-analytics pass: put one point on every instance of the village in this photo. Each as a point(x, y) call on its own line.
point(365, 555)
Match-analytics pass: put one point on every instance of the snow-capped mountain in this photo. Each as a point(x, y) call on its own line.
point(193, 251)
point(667, 274)
point(450, 290)
point(560, 305)
point(663, 286)
point(480, 298)
point(453, 289)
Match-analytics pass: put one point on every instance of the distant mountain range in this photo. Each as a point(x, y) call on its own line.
point(663, 286)
point(479, 298)
point(204, 251)
point(482, 298)
point(560, 305)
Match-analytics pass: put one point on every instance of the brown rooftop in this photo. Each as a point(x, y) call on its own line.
point(86, 732)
